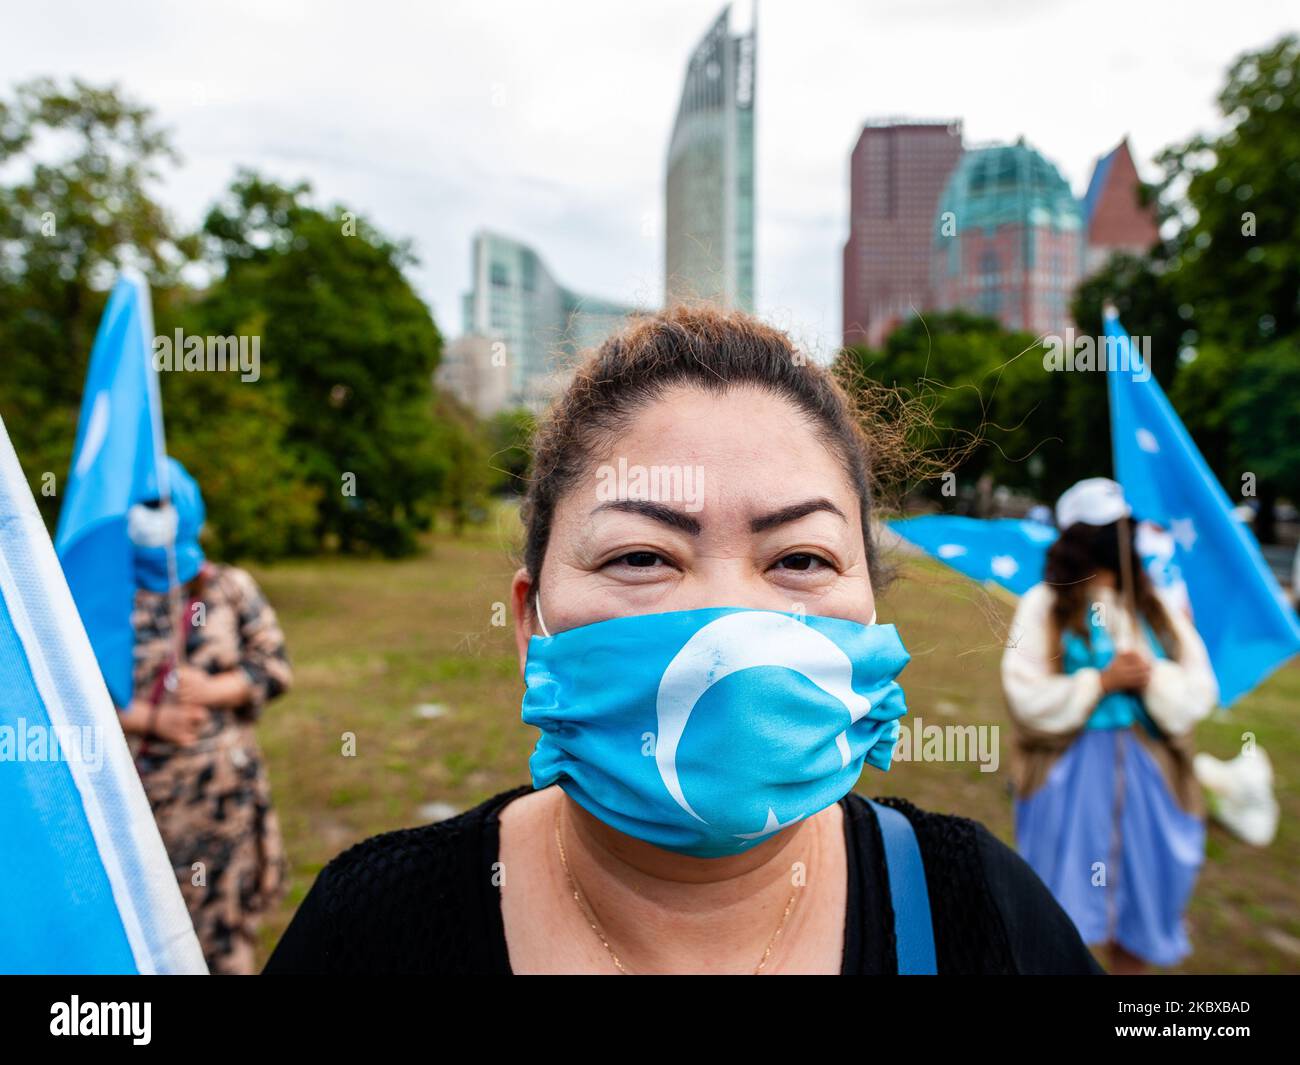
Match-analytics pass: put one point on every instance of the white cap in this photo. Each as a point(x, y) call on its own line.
point(1096, 501)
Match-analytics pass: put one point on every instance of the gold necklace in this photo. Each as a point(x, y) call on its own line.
point(595, 926)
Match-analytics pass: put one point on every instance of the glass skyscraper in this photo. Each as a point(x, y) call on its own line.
point(541, 324)
point(709, 183)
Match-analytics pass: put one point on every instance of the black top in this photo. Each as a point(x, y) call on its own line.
point(424, 901)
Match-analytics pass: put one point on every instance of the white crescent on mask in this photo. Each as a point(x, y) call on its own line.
point(739, 641)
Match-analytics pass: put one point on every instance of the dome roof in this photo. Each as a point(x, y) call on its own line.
point(1007, 185)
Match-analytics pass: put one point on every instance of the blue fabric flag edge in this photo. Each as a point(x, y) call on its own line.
point(148, 899)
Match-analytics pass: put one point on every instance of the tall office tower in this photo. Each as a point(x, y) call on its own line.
point(1116, 218)
point(896, 173)
point(709, 184)
point(1008, 240)
point(534, 323)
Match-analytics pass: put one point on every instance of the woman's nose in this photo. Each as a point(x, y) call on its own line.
point(732, 582)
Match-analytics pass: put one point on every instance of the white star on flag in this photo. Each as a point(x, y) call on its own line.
point(1147, 441)
point(950, 551)
point(1004, 566)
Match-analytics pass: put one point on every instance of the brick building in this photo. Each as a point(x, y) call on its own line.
point(1008, 240)
point(1116, 218)
point(896, 174)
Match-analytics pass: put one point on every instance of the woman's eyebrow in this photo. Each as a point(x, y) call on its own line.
point(793, 512)
point(655, 511)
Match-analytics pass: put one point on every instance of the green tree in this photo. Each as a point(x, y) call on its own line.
point(978, 401)
point(1233, 263)
point(1230, 200)
point(463, 448)
point(231, 436)
point(350, 344)
point(1142, 293)
point(78, 207)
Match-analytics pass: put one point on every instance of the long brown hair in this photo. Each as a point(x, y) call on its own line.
point(1079, 554)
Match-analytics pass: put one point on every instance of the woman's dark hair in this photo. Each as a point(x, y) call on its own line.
point(1078, 555)
point(704, 347)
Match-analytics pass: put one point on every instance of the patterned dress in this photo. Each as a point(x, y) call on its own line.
point(212, 800)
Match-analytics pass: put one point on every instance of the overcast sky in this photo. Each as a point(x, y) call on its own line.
point(549, 121)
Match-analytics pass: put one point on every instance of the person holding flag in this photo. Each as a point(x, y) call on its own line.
point(190, 722)
point(189, 651)
point(1105, 679)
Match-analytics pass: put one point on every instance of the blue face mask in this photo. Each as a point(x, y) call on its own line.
point(168, 533)
point(706, 732)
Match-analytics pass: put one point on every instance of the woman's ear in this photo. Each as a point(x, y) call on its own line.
point(521, 591)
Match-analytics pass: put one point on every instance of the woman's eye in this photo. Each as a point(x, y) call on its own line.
point(802, 562)
point(639, 559)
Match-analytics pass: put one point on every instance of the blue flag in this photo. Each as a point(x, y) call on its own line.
point(1239, 609)
point(117, 462)
point(85, 882)
point(1007, 551)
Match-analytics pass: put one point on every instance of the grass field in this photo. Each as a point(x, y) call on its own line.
point(371, 641)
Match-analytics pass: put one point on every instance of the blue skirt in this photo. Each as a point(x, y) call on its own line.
point(1125, 879)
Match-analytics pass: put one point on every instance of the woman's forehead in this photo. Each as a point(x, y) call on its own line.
point(744, 455)
point(744, 425)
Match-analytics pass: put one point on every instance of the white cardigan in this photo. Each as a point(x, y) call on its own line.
point(1179, 694)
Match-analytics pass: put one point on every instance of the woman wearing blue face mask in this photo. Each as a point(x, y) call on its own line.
point(209, 654)
point(695, 622)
